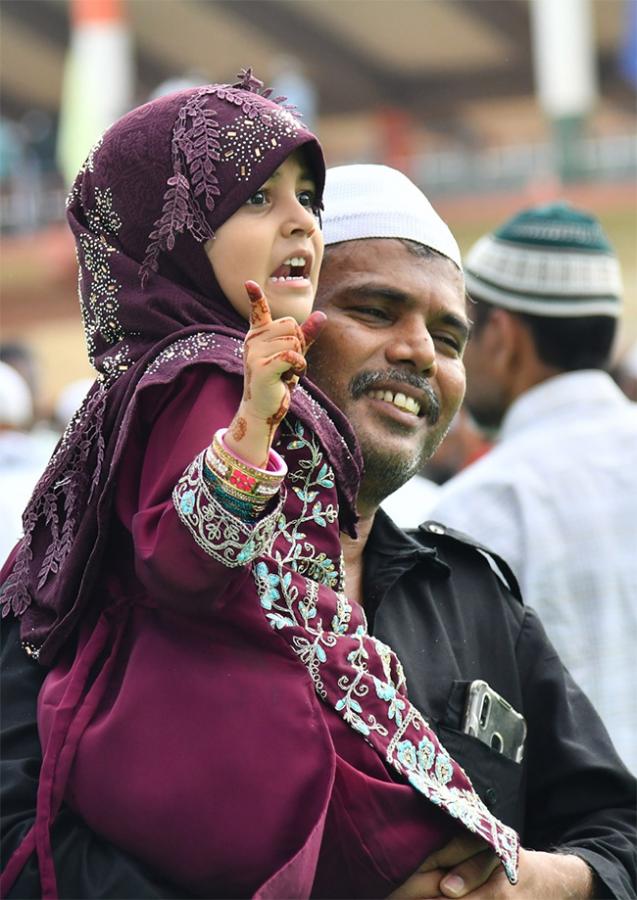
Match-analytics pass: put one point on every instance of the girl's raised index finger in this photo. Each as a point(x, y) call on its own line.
point(259, 309)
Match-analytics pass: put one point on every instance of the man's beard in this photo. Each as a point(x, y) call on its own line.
point(386, 472)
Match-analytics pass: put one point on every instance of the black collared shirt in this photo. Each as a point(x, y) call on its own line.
point(453, 614)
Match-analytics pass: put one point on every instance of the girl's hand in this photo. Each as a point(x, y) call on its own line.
point(274, 360)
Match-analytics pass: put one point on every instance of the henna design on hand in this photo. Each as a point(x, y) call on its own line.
point(279, 415)
point(247, 379)
point(238, 428)
point(297, 365)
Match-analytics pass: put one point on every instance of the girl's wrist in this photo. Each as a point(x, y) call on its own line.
point(250, 437)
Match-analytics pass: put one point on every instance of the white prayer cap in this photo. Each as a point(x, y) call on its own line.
point(16, 405)
point(373, 201)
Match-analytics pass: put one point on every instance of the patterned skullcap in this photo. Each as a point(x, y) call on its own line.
point(370, 201)
point(551, 260)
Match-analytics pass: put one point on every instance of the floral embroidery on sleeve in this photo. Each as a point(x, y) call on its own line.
point(356, 674)
point(221, 535)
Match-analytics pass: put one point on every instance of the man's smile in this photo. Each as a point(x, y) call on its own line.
point(409, 395)
point(400, 400)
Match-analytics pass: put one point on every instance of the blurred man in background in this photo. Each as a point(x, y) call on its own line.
point(22, 455)
point(557, 497)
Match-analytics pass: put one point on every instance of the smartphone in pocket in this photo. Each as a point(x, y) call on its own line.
point(492, 720)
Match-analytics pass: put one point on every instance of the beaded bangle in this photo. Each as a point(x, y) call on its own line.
point(243, 489)
point(276, 464)
point(230, 490)
point(238, 475)
point(242, 507)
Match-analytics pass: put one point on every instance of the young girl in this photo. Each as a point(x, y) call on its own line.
point(216, 705)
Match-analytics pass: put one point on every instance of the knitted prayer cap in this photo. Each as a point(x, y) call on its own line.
point(371, 201)
point(551, 260)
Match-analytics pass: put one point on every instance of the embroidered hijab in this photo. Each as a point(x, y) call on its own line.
point(151, 192)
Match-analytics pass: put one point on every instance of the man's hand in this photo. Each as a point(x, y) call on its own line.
point(550, 876)
point(466, 857)
point(274, 360)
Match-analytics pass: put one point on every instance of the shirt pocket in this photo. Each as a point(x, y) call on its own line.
point(499, 781)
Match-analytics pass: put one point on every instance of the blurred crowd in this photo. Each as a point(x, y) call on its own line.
point(28, 435)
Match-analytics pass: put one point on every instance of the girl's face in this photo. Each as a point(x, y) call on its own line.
point(275, 240)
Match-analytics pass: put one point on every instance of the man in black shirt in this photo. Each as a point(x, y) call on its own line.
point(391, 357)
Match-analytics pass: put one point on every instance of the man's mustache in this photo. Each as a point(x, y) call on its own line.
point(365, 381)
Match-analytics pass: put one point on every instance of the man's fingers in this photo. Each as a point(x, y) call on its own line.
point(312, 327)
point(469, 875)
point(419, 886)
point(259, 308)
point(455, 852)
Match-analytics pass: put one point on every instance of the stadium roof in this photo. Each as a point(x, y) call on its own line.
point(431, 57)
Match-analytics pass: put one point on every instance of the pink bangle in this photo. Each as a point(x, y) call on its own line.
point(276, 464)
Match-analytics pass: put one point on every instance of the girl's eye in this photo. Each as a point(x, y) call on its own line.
point(257, 199)
point(308, 200)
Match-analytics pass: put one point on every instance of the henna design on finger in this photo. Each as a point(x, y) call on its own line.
point(259, 309)
point(297, 363)
point(253, 290)
point(300, 336)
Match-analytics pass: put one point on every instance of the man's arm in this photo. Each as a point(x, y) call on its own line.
point(572, 795)
point(579, 831)
point(581, 799)
point(462, 869)
point(86, 865)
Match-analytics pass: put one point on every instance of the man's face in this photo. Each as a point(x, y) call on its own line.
point(390, 353)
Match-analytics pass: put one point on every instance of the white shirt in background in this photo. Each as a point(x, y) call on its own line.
point(23, 458)
point(410, 504)
point(557, 498)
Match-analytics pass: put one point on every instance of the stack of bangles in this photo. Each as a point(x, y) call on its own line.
point(243, 489)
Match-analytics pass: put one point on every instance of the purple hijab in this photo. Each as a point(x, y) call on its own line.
point(150, 194)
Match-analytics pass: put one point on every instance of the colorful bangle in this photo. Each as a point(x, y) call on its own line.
point(233, 480)
point(276, 467)
point(220, 484)
point(242, 507)
point(238, 475)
